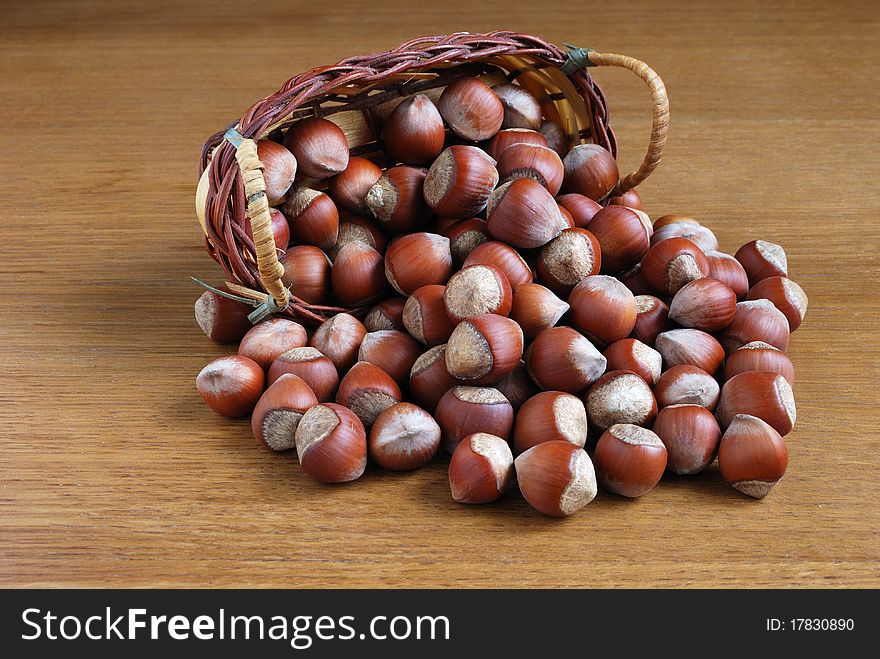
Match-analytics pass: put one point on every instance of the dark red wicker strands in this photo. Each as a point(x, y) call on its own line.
point(364, 83)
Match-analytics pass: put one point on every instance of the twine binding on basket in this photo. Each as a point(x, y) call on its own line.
point(355, 84)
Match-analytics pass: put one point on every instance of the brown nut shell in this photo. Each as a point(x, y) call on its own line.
point(231, 386)
point(480, 469)
point(279, 410)
point(403, 437)
point(690, 434)
point(266, 341)
point(562, 359)
point(630, 460)
point(550, 416)
point(313, 367)
point(753, 457)
point(767, 396)
point(484, 348)
point(464, 410)
point(331, 444)
point(557, 478)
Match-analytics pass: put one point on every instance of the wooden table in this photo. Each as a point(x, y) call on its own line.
point(113, 472)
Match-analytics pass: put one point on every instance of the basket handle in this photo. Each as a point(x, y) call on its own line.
point(660, 101)
point(268, 264)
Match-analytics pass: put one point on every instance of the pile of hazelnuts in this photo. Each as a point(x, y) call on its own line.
point(506, 302)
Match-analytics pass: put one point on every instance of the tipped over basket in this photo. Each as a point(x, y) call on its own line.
point(356, 94)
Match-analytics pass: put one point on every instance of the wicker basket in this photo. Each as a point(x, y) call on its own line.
point(356, 94)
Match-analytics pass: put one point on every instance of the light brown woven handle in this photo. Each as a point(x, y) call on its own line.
point(270, 268)
point(660, 125)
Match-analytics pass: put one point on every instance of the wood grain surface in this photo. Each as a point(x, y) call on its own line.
point(113, 472)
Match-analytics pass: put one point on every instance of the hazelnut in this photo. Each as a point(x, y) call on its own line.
point(313, 218)
point(279, 170)
point(756, 320)
point(392, 351)
point(339, 339)
point(471, 109)
point(758, 356)
point(460, 181)
point(704, 304)
point(484, 348)
point(523, 214)
point(567, 259)
point(477, 289)
point(221, 319)
point(761, 259)
point(693, 231)
point(413, 133)
point(331, 444)
point(416, 260)
point(550, 416)
point(466, 410)
point(359, 229)
point(466, 235)
point(510, 136)
point(633, 355)
point(767, 396)
point(630, 460)
point(266, 341)
point(631, 199)
point(562, 359)
point(728, 270)
point(505, 258)
point(624, 237)
point(319, 145)
point(672, 218)
point(652, 319)
point(672, 263)
point(279, 410)
point(424, 315)
point(582, 209)
point(358, 274)
point(531, 161)
point(785, 295)
point(517, 386)
point(310, 365)
point(591, 171)
point(687, 385)
point(403, 437)
point(232, 385)
point(752, 456)
point(603, 309)
point(397, 199)
point(555, 136)
point(620, 397)
point(635, 281)
point(556, 478)
point(367, 391)
point(429, 379)
point(521, 108)
point(349, 188)
point(690, 434)
point(536, 308)
point(386, 315)
point(480, 469)
point(306, 273)
point(690, 346)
